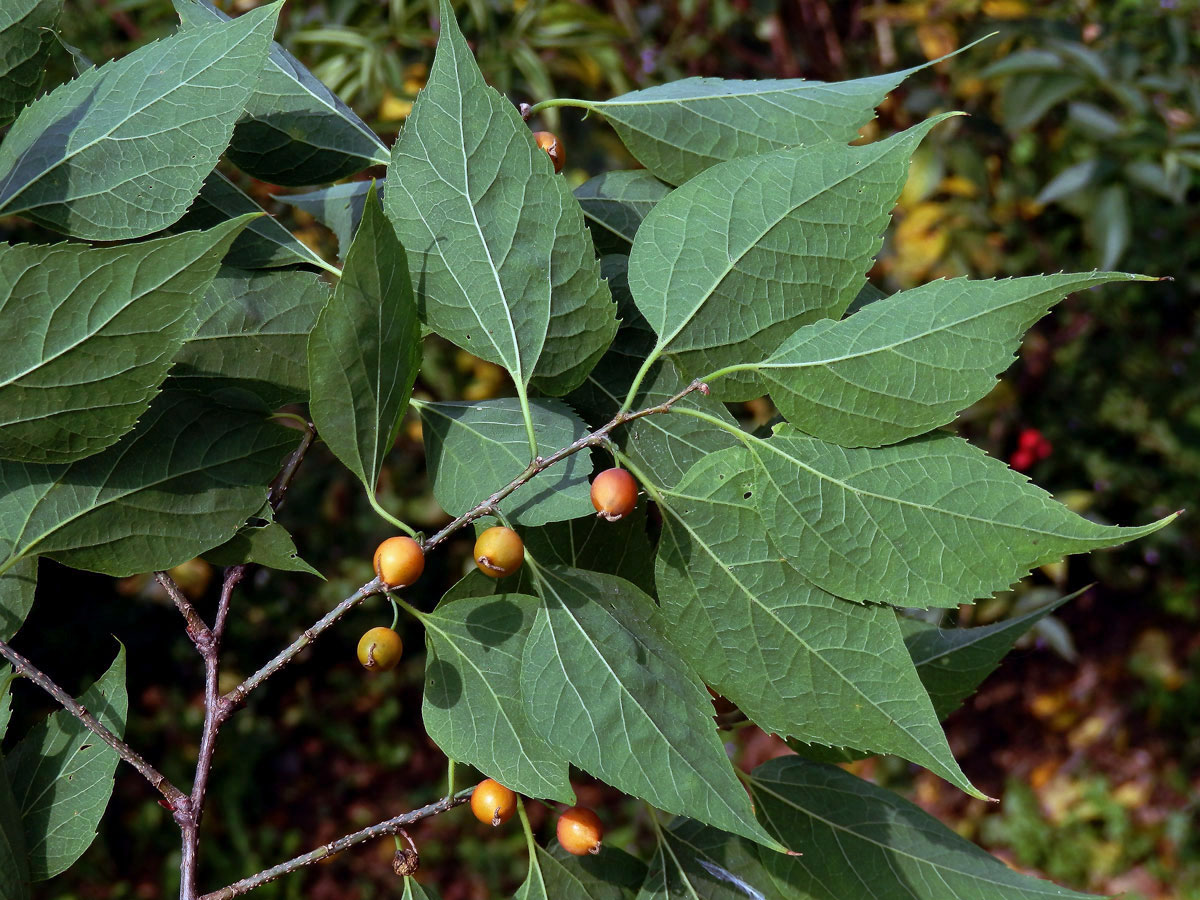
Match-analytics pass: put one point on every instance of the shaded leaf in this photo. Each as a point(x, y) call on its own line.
point(87, 336)
point(614, 548)
point(1109, 226)
point(730, 264)
point(267, 545)
point(182, 482)
point(14, 858)
point(913, 361)
point(678, 130)
point(933, 521)
point(251, 348)
point(62, 775)
point(17, 588)
point(26, 36)
point(615, 203)
point(121, 151)
point(861, 842)
point(365, 350)
point(799, 662)
point(525, 291)
point(473, 449)
point(1069, 181)
point(295, 130)
point(265, 244)
point(473, 707)
point(601, 877)
point(610, 694)
point(695, 862)
point(338, 207)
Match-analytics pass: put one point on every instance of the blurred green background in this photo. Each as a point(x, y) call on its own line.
point(1081, 150)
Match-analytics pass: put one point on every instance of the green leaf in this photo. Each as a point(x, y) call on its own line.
point(265, 244)
point(295, 130)
point(523, 292)
point(933, 521)
point(87, 336)
point(14, 858)
point(251, 348)
point(615, 203)
point(182, 482)
point(267, 545)
point(913, 361)
point(17, 588)
point(62, 775)
point(365, 350)
point(474, 448)
point(730, 264)
point(26, 36)
point(338, 207)
point(1109, 225)
point(414, 891)
point(860, 842)
point(678, 130)
point(799, 662)
point(473, 707)
point(614, 548)
point(121, 151)
point(695, 862)
point(601, 877)
point(610, 694)
point(952, 662)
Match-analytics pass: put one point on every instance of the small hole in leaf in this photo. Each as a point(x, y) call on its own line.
point(85, 747)
point(746, 496)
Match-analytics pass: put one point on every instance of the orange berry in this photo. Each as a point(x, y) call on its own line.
point(379, 650)
point(614, 494)
point(499, 551)
point(493, 803)
point(549, 142)
point(399, 561)
point(580, 831)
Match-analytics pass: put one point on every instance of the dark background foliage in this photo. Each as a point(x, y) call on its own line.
point(1081, 150)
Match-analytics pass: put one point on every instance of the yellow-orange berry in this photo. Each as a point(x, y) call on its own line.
point(499, 551)
point(493, 803)
point(399, 561)
point(614, 494)
point(380, 649)
point(580, 831)
point(549, 142)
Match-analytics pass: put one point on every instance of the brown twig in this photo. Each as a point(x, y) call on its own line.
point(197, 628)
point(383, 829)
point(174, 797)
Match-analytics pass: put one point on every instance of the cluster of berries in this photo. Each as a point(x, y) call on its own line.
point(1032, 447)
point(579, 829)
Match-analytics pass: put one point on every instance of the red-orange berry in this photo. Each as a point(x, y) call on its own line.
point(493, 803)
point(580, 831)
point(614, 494)
point(379, 650)
point(553, 147)
point(399, 561)
point(499, 551)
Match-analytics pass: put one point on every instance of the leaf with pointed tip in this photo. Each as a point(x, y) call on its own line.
point(414, 891)
point(182, 482)
point(678, 130)
point(17, 588)
point(62, 775)
point(87, 335)
point(365, 350)
point(615, 548)
point(474, 448)
point(605, 876)
point(856, 841)
point(799, 662)
point(523, 292)
point(14, 858)
point(251, 348)
point(121, 151)
point(952, 662)
point(295, 130)
point(695, 862)
point(615, 203)
point(267, 545)
point(727, 266)
point(265, 244)
point(933, 521)
point(26, 36)
point(473, 708)
point(911, 362)
point(338, 207)
point(616, 699)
